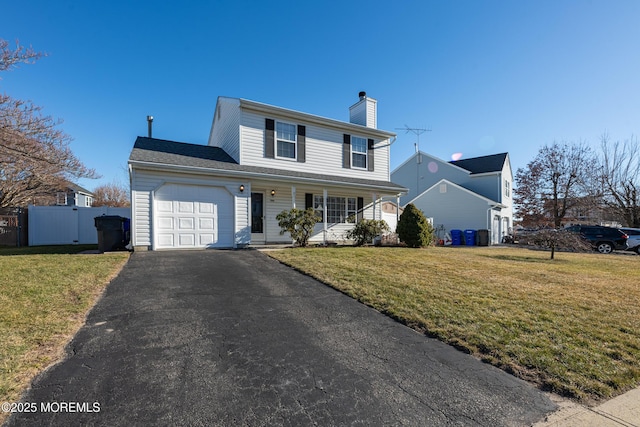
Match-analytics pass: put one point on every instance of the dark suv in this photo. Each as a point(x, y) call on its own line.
point(604, 239)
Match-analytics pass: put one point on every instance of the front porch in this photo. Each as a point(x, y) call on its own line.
point(338, 209)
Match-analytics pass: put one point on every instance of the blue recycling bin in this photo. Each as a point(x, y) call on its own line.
point(470, 237)
point(456, 237)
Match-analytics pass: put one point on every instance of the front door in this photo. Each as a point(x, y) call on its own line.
point(257, 218)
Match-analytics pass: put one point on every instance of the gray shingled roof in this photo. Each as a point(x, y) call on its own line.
point(162, 152)
point(484, 164)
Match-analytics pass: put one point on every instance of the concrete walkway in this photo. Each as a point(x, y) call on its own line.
point(623, 410)
point(236, 338)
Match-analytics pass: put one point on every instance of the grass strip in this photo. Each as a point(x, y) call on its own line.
point(45, 294)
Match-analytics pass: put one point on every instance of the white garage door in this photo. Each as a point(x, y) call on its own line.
point(192, 216)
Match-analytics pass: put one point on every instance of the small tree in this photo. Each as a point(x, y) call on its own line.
point(551, 238)
point(413, 228)
point(366, 230)
point(298, 223)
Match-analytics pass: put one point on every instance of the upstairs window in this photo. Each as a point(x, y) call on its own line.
point(285, 140)
point(507, 188)
point(358, 152)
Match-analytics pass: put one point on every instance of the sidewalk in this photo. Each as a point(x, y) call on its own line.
point(622, 411)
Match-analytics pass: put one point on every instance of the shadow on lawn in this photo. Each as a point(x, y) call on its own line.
point(46, 250)
point(521, 258)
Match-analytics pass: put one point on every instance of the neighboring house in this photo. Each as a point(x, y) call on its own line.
point(74, 195)
point(260, 160)
point(473, 193)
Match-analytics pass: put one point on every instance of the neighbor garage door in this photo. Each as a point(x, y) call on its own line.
point(192, 216)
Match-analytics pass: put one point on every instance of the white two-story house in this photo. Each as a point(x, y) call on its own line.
point(474, 193)
point(260, 160)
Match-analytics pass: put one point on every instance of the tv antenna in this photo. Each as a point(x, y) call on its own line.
point(417, 132)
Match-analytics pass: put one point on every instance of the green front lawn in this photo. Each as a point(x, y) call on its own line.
point(45, 294)
point(570, 325)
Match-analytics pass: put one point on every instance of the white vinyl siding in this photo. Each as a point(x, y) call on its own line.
point(225, 131)
point(323, 151)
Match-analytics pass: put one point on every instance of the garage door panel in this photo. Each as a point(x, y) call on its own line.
point(186, 223)
point(185, 207)
point(193, 217)
point(206, 224)
point(206, 239)
point(165, 240)
point(164, 206)
point(165, 223)
point(188, 240)
point(206, 208)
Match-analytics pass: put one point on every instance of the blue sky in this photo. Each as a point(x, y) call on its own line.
point(485, 76)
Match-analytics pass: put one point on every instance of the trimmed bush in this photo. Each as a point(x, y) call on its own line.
point(298, 223)
point(366, 230)
point(413, 228)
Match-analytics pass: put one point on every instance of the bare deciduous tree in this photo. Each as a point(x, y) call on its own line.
point(554, 239)
point(113, 195)
point(620, 174)
point(560, 178)
point(35, 156)
point(10, 58)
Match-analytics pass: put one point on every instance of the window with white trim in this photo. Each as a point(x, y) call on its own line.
point(507, 188)
point(285, 140)
point(339, 209)
point(358, 152)
point(61, 199)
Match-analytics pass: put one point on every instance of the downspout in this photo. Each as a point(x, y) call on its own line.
point(488, 222)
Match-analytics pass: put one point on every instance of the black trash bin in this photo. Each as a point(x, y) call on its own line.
point(110, 232)
point(482, 237)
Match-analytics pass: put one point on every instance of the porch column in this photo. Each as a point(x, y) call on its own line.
point(293, 197)
point(374, 196)
point(397, 208)
point(324, 216)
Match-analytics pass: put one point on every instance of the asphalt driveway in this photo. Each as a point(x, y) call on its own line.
point(235, 338)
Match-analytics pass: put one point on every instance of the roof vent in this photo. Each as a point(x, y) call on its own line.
point(362, 94)
point(150, 124)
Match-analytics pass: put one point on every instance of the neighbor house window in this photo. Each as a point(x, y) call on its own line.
point(358, 152)
point(285, 140)
point(87, 201)
point(339, 209)
point(61, 199)
point(507, 188)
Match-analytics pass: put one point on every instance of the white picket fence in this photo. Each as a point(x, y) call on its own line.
point(67, 225)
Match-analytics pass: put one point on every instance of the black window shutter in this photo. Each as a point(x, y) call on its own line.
point(308, 200)
point(370, 154)
point(302, 142)
point(346, 151)
point(360, 213)
point(269, 140)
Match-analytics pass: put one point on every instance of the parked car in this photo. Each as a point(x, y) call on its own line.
point(603, 239)
point(633, 243)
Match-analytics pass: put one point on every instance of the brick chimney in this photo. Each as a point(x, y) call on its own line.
point(364, 112)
